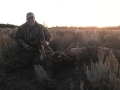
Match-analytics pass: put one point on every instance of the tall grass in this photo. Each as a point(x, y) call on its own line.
point(63, 38)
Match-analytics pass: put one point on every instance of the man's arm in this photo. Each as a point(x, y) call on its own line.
point(19, 38)
point(47, 35)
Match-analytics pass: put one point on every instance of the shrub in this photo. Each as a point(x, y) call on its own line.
point(103, 75)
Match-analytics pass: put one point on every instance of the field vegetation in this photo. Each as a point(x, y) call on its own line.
point(102, 75)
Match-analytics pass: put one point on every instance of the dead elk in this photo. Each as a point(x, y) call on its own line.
point(63, 59)
point(81, 56)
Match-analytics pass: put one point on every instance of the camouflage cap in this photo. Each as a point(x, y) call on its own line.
point(30, 14)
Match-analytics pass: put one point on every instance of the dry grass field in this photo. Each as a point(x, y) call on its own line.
point(102, 75)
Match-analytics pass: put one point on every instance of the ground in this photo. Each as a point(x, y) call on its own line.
point(37, 78)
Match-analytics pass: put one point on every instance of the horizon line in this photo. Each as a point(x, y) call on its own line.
point(72, 25)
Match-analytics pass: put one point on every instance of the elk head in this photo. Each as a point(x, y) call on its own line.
point(58, 54)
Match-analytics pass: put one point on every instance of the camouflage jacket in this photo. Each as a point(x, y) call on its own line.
point(40, 33)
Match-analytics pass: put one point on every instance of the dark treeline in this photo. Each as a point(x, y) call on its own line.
point(87, 28)
point(7, 26)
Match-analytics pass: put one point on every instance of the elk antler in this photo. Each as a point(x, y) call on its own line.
point(50, 49)
point(65, 50)
point(68, 57)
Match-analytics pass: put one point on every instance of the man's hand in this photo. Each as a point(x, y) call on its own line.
point(25, 46)
point(45, 43)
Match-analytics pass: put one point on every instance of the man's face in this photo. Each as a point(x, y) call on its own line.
point(31, 21)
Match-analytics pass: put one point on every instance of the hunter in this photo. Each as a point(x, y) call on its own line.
point(32, 38)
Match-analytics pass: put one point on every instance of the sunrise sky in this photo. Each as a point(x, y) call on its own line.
point(62, 12)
